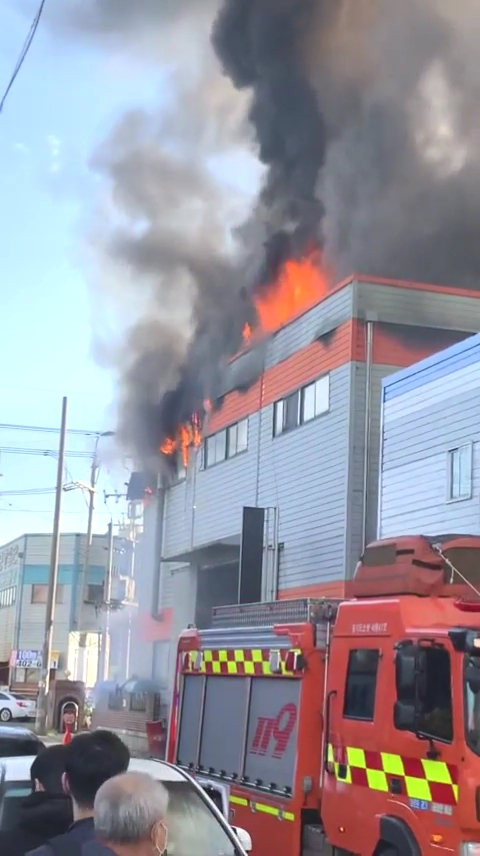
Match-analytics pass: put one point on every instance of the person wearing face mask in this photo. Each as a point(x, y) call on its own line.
point(129, 817)
point(46, 811)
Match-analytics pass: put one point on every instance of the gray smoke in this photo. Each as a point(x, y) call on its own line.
point(365, 115)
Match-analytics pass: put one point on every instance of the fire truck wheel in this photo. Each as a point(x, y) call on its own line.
point(389, 851)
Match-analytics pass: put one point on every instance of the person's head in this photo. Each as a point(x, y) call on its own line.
point(91, 759)
point(129, 815)
point(48, 768)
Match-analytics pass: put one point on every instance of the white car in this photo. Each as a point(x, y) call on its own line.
point(16, 707)
point(195, 825)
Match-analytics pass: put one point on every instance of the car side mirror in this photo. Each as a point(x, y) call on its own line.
point(244, 838)
point(405, 716)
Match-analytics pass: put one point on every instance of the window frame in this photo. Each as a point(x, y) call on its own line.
point(349, 672)
point(231, 450)
point(59, 595)
point(452, 496)
point(280, 425)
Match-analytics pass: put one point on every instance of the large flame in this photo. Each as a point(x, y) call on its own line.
point(300, 285)
point(188, 436)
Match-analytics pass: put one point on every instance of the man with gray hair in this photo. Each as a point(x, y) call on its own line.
point(129, 815)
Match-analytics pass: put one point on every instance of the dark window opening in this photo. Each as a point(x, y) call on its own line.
point(361, 684)
point(436, 710)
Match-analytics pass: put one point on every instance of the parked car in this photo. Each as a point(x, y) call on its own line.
point(14, 706)
point(16, 741)
point(195, 825)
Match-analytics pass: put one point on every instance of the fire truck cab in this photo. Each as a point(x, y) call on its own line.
point(350, 724)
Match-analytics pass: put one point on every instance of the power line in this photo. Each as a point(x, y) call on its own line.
point(28, 491)
point(23, 53)
point(23, 450)
point(40, 429)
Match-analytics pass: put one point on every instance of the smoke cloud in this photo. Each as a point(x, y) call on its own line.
point(364, 117)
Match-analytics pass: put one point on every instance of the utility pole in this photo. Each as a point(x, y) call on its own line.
point(88, 541)
point(105, 645)
point(43, 688)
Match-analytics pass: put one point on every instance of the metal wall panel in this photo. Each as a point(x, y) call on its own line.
point(427, 410)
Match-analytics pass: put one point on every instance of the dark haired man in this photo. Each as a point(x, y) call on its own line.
point(46, 812)
point(91, 759)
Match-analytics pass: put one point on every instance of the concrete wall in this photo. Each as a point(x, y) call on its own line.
point(428, 410)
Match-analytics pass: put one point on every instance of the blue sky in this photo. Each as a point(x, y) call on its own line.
point(61, 105)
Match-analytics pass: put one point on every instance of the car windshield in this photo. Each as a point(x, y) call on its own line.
point(192, 827)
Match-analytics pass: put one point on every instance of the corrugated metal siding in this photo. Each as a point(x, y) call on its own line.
point(303, 473)
point(207, 506)
point(427, 410)
point(335, 310)
point(38, 549)
point(416, 307)
point(32, 627)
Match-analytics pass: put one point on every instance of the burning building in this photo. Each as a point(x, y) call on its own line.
point(280, 496)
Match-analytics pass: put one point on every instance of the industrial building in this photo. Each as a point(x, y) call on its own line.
point(291, 460)
point(430, 452)
point(24, 572)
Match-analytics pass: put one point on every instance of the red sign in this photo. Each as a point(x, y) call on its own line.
point(272, 734)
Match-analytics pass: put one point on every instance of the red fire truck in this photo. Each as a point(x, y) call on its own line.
point(352, 724)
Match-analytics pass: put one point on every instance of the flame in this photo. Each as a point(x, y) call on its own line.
point(247, 333)
point(300, 285)
point(188, 436)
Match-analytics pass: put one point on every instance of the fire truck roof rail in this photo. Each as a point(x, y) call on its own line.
point(276, 612)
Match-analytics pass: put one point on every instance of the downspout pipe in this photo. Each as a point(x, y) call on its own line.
point(367, 428)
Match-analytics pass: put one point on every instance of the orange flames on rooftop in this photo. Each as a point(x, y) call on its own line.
point(300, 285)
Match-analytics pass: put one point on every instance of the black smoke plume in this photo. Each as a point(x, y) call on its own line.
point(364, 114)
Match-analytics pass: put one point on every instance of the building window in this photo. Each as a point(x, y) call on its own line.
point(315, 399)
point(95, 593)
point(40, 593)
point(302, 406)
point(8, 597)
point(460, 472)
point(227, 443)
point(361, 684)
point(181, 468)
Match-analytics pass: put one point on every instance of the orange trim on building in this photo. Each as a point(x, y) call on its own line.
point(402, 346)
point(305, 365)
point(150, 629)
point(332, 589)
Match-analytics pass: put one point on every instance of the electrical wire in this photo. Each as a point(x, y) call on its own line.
point(23, 53)
point(23, 450)
point(28, 491)
point(79, 432)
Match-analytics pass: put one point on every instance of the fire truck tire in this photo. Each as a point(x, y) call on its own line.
point(396, 839)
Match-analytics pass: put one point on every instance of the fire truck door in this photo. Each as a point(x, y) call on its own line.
point(353, 737)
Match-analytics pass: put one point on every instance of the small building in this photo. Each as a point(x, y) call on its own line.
point(78, 622)
point(430, 445)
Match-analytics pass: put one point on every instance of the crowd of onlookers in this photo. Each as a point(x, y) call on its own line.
point(84, 802)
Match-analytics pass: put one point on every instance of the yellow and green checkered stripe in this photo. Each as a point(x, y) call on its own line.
point(236, 661)
point(262, 808)
point(420, 778)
